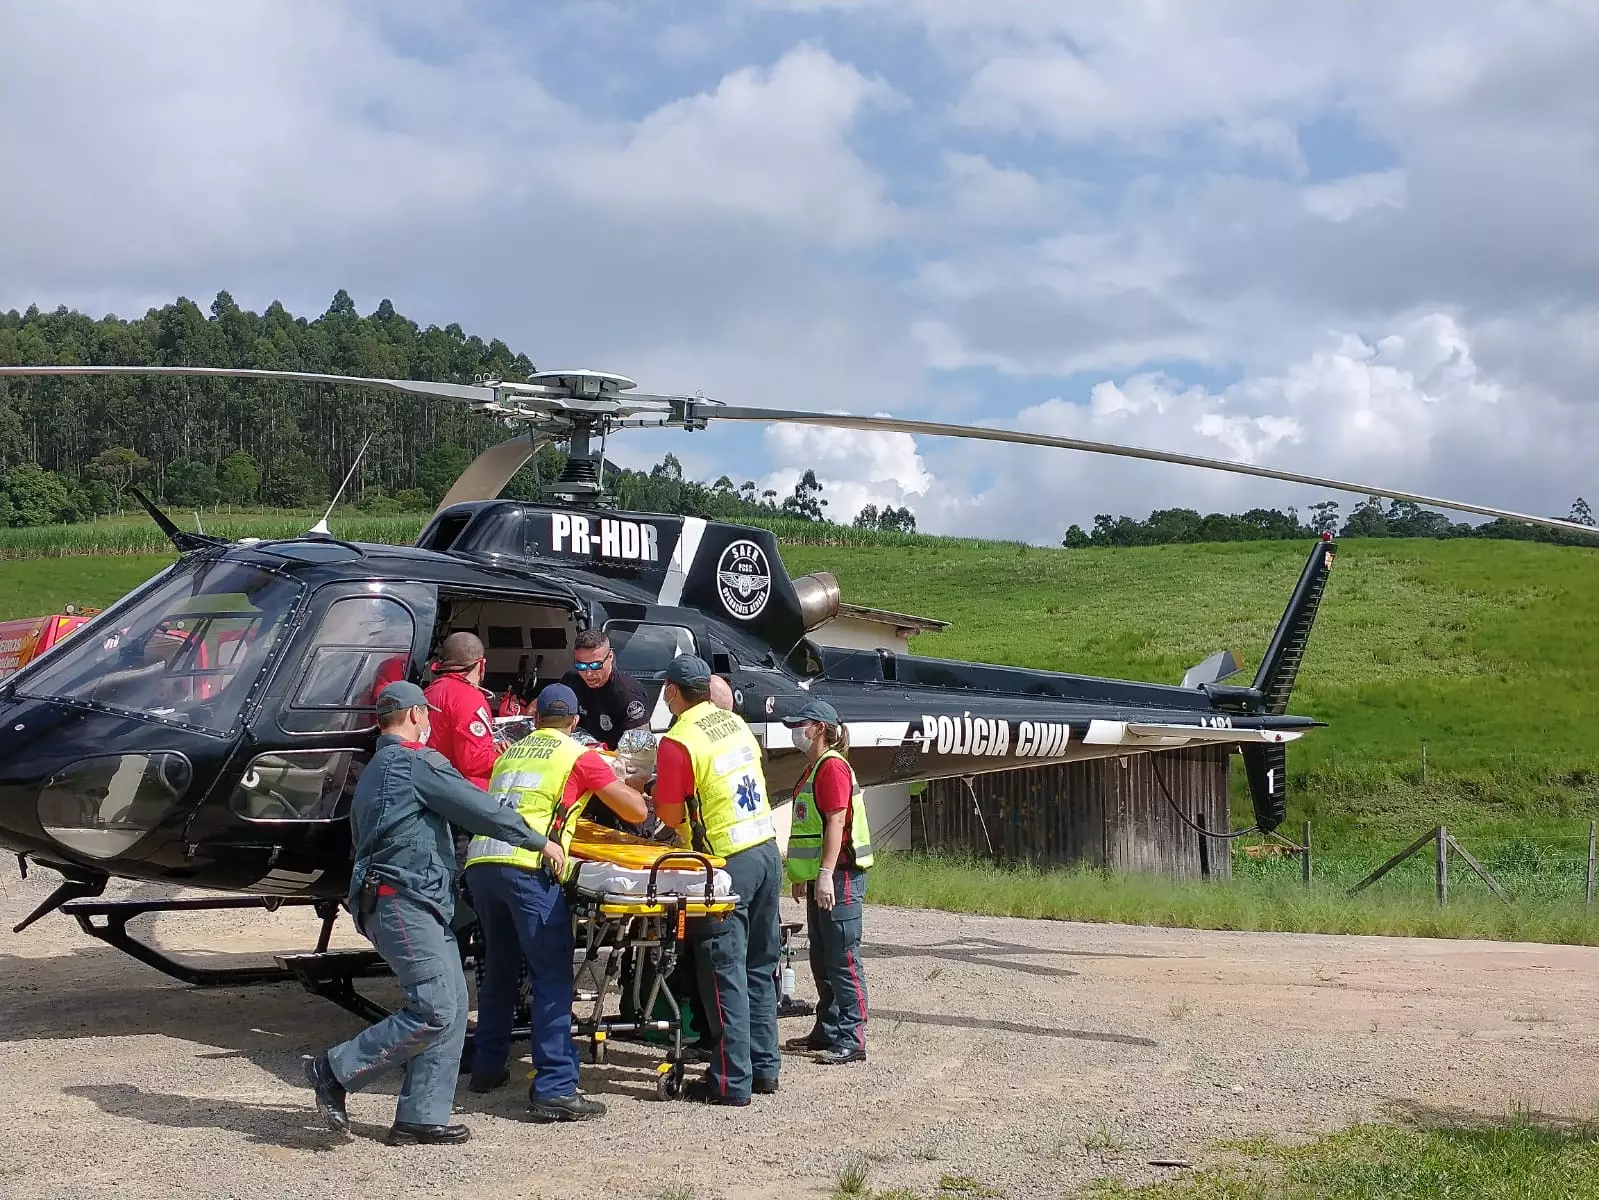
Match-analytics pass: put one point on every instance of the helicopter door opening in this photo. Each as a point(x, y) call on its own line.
point(526, 644)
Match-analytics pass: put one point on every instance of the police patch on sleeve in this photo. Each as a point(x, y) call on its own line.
point(635, 711)
point(478, 729)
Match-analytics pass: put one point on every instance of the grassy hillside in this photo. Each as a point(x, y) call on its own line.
point(1486, 651)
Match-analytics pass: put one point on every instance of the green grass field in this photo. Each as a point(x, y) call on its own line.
point(1487, 652)
point(1514, 1159)
point(1548, 904)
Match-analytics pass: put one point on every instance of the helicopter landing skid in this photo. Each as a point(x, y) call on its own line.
point(116, 914)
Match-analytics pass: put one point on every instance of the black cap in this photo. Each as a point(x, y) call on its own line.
point(690, 671)
point(401, 694)
point(814, 710)
point(557, 700)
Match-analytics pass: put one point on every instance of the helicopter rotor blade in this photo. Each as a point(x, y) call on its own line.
point(1017, 437)
point(419, 387)
point(485, 478)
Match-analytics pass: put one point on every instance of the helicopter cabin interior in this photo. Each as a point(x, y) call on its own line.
point(527, 644)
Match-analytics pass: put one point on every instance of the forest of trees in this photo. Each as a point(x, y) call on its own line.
point(1367, 519)
point(71, 448)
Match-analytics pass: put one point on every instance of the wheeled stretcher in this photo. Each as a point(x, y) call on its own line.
point(630, 938)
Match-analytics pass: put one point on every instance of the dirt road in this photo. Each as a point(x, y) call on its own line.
point(1028, 1056)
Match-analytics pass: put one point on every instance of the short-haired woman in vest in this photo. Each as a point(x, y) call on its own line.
point(829, 850)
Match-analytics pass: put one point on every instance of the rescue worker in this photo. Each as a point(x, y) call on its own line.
point(829, 851)
point(464, 732)
point(547, 777)
point(402, 897)
point(708, 770)
point(613, 701)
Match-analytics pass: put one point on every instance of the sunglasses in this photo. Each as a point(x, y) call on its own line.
point(591, 666)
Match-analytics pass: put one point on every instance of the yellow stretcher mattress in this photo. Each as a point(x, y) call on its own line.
point(599, 844)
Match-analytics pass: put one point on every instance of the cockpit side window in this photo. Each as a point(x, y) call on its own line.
point(188, 650)
point(362, 645)
point(644, 650)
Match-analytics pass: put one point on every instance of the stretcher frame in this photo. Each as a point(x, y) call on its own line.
point(648, 933)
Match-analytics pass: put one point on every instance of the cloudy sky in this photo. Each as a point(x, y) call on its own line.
point(1354, 238)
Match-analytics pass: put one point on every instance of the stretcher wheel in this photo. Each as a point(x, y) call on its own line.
point(669, 1081)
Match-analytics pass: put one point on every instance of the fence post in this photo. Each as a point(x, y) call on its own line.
point(1593, 845)
point(1442, 868)
point(1304, 857)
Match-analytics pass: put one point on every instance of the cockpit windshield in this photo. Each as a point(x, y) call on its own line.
point(187, 651)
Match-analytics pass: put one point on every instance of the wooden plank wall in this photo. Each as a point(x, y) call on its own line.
point(1105, 813)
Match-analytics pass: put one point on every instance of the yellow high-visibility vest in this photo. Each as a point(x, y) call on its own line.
point(531, 777)
point(728, 810)
point(804, 860)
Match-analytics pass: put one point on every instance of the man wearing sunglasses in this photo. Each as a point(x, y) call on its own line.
point(613, 701)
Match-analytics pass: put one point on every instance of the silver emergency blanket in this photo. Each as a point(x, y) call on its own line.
point(599, 879)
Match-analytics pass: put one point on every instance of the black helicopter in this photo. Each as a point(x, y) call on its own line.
point(207, 729)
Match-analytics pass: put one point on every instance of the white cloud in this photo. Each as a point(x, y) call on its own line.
point(1410, 410)
point(768, 144)
point(1344, 198)
point(854, 468)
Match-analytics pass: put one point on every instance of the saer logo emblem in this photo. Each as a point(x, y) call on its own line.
point(743, 579)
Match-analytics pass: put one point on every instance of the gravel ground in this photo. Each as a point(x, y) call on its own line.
point(1029, 1056)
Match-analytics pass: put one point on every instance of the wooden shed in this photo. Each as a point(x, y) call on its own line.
point(1103, 813)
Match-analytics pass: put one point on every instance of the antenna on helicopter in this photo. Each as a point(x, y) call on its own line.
point(322, 525)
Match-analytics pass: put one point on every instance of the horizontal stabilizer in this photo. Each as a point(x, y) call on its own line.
point(1145, 735)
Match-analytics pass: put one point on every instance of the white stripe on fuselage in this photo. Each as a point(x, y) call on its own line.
point(688, 546)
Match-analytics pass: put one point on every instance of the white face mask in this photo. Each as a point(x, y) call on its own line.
point(802, 739)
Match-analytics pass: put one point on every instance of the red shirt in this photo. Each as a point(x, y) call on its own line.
point(833, 790)
point(390, 670)
point(463, 731)
point(589, 774)
point(674, 781)
point(833, 793)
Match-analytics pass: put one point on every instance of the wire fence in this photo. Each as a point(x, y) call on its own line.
point(1537, 868)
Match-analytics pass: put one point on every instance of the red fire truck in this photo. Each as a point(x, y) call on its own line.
point(24, 640)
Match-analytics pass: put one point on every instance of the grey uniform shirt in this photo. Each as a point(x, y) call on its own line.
point(404, 804)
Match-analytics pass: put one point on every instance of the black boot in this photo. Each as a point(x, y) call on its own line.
point(575, 1107)
point(489, 1082)
point(840, 1055)
point(406, 1134)
point(329, 1091)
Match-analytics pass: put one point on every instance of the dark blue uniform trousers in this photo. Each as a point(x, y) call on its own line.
point(737, 956)
point(425, 1037)
point(525, 917)
point(835, 938)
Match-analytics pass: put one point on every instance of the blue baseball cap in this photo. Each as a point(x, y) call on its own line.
point(690, 671)
point(557, 700)
point(402, 694)
point(814, 710)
